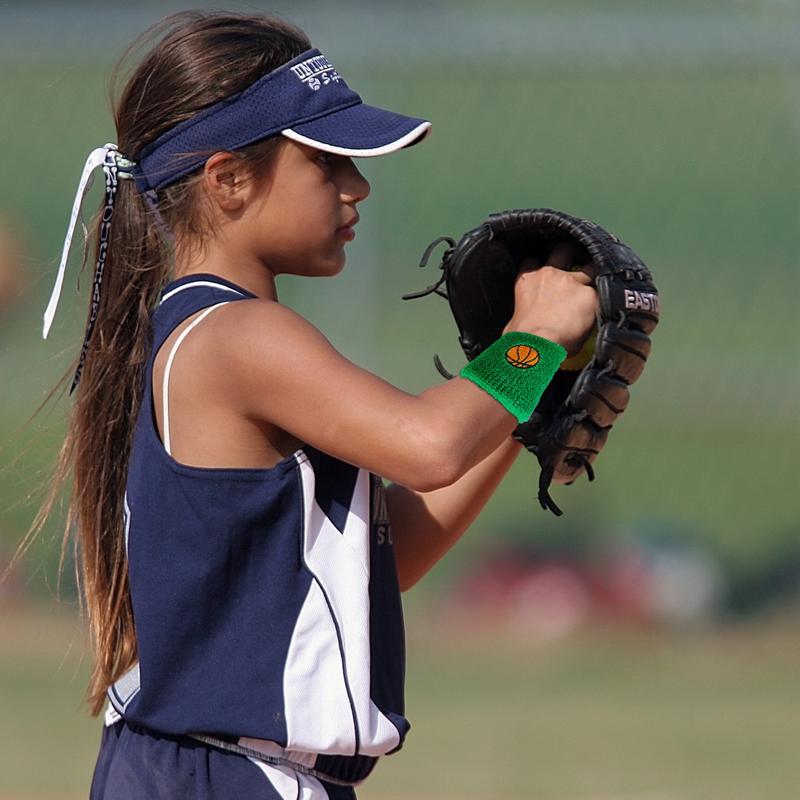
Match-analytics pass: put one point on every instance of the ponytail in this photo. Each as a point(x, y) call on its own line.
point(98, 440)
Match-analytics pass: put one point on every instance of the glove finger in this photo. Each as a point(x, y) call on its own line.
point(590, 269)
point(561, 256)
point(529, 264)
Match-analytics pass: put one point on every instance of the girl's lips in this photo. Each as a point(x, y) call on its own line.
point(346, 232)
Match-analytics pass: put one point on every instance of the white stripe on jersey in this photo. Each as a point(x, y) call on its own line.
point(316, 700)
point(126, 518)
point(126, 688)
point(340, 605)
point(198, 283)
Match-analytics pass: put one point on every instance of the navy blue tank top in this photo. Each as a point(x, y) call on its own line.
point(265, 601)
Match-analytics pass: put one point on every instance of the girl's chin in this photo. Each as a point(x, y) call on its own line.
point(330, 268)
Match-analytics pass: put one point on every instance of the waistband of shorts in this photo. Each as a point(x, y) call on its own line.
point(335, 769)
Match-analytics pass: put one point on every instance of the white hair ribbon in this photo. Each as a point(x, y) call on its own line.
point(111, 160)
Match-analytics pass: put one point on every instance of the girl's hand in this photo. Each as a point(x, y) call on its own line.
point(553, 303)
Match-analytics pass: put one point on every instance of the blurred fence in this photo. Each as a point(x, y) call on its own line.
point(674, 125)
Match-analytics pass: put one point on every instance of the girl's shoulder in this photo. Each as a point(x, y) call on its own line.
point(256, 316)
point(204, 361)
point(241, 330)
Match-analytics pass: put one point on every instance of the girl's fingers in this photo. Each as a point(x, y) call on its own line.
point(590, 269)
point(582, 277)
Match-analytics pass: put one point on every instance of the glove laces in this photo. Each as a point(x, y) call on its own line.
point(435, 289)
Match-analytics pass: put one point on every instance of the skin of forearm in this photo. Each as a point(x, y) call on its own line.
point(425, 525)
point(468, 424)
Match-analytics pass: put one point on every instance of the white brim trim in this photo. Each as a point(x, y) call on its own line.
point(419, 132)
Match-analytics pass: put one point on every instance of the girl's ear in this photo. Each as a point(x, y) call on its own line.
point(225, 181)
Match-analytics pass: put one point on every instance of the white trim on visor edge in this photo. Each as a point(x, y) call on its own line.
point(420, 132)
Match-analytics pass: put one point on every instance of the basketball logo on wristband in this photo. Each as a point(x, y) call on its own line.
point(522, 356)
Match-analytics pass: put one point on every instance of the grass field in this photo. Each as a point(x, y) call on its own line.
point(605, 715)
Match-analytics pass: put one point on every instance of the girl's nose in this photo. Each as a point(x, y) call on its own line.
point(355, 187)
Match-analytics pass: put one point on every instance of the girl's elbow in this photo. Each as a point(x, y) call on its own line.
point(407, 578)
point(442, 467)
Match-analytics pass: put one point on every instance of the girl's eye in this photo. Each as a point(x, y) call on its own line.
point(326, 159)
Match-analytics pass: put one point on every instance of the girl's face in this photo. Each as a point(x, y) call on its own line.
point(302, 216)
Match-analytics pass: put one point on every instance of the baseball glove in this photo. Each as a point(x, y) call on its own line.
point(571, 423)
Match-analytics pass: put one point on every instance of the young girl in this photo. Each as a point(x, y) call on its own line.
point(240, 558)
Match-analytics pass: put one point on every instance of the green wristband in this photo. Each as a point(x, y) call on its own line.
point(515, 370)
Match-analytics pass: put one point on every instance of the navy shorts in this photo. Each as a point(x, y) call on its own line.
point(134, 764)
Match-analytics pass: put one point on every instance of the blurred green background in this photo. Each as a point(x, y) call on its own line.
point(675, 125)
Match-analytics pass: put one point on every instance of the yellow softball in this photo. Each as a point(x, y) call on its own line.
point(584, 355)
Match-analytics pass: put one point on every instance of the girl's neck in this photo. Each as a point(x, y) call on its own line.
point(254, 277)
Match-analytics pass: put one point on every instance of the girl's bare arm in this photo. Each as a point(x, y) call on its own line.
point(425, 525)
point(281, 369)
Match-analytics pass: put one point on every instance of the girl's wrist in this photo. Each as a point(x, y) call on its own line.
point(544, 333)
point(516, 369)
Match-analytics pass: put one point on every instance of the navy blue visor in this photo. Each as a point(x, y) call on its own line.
point(305, 100)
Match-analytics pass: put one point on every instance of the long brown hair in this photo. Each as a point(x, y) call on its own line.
point(196, 58)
